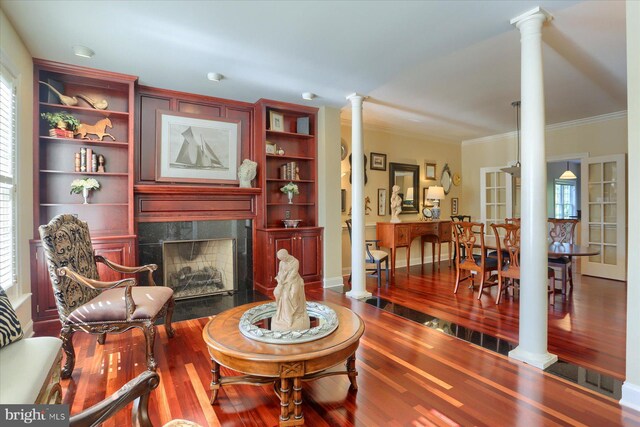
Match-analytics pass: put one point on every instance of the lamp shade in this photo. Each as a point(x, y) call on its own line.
point(435, 192)
point(568, 174)
point(409, 194)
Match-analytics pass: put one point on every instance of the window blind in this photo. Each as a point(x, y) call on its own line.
point(8, 235)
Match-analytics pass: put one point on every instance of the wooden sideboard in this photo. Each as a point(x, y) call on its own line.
point(401, 234)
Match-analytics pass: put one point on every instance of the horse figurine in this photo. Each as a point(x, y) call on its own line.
point(98, 129)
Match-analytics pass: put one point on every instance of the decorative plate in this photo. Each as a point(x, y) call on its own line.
point(427, 213)
point(457, 179)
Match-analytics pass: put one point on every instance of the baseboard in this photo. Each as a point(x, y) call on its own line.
point(630, 396)
point(333, 282)
point(402, 263)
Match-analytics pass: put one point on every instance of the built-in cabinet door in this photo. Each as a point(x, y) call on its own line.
point(118, 252)
point(603, 216)
point(309, 250)
point(495, 197)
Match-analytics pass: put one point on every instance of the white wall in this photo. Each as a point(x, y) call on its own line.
point(400, 148)
point(631, 386)
point(329, 193)
point(597, 136)
point(21, 63)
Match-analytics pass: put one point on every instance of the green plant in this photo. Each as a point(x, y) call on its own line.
point(61, 119)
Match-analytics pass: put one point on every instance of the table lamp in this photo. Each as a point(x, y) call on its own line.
point(435, 193)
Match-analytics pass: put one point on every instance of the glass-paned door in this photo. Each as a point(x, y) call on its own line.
point(495, 197)
point(603, 216)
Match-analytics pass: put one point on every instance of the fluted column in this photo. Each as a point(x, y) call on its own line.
point(534, 303)
point(358, 273)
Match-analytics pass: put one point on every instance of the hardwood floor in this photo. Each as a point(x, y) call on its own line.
point(587, 328)
point(409, 375)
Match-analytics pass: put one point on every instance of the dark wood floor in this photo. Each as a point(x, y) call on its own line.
point(587, 328)
point(409, 375)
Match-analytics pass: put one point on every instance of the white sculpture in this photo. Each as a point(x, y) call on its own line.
point(246, 172)
point(396, 204)
point(291, 312)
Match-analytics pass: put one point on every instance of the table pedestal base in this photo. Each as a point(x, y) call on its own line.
point(288, 386)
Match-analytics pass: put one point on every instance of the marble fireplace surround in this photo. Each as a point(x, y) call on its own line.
point(151, 236)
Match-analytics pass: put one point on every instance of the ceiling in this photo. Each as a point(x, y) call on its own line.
point(448, 70)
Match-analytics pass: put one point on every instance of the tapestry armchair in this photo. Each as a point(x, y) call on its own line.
point(87, 304)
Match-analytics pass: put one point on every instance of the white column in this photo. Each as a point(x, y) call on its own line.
point(631, 386)
point(534, 303)
point(358, 274)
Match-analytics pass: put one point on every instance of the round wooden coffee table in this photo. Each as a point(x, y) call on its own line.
point(285, 365)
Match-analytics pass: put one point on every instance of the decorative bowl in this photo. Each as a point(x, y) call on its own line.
point(291, 223)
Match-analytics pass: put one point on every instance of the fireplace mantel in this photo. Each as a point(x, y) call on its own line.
point(195, 189)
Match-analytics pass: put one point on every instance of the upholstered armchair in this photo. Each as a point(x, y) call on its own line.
point(87, 304)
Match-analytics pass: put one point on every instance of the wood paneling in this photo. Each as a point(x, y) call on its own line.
point(408, 375)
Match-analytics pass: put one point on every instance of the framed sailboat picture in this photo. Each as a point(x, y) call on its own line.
point(197, 149)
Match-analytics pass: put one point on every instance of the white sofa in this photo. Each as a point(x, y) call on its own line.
point(30, 371)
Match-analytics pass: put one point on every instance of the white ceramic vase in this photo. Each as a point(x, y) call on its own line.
point(85, 194)
point(290, 196)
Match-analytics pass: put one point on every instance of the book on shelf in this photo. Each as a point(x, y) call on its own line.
point(60, 133)
point(83, 159)
point(290, 171)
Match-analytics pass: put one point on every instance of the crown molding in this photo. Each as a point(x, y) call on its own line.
point(555, 126)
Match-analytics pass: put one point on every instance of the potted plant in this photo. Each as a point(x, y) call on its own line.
point(61, 123)
point(83, 186)
point(290, 189)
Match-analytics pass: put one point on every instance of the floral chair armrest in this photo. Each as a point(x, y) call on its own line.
point(150, 268)
point(127, 283)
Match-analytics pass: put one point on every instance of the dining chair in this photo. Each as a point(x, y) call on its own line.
point(562, 231)
point(470, 235)
point(89, 305)
point(512, 221)
point(373, 256)
point(455, 219)
point(508, 242)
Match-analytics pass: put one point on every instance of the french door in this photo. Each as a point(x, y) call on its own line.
point(603, 216)
point(495, 197)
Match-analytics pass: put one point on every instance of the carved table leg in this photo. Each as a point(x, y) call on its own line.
point(285, 399)
point(351, 371)
point(297, 398)
point(215, 381)
point(66, 334)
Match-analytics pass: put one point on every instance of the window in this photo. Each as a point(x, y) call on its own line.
point(7, 178)
point(565, 199)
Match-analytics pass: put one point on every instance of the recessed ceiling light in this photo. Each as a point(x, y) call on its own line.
point(215, 77)
point(83, 51)
point(308, 96)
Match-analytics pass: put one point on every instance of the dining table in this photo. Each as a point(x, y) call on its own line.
point(554, 249)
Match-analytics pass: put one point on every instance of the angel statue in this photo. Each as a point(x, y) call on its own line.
point(291, 312)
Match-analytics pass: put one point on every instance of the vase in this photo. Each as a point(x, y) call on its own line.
point(290, 196)
point(85, 194)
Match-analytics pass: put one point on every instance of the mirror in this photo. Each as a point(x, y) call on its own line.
point(406, 177)
point(445, 179)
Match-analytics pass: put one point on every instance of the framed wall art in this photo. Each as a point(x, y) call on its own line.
point(276, 121)
point(197, 149)
point(429, 171)
point(382, 201)
point(454, 206)
point(378, 162)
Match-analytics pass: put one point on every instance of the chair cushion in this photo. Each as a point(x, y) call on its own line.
point(10, 329)
point(378, 255)
point(488, 262)
point(25, 366)
point(110, 306)
point(560, 260)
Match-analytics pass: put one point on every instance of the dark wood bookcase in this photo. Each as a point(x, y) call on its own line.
point(110, 209)
point(305, 241)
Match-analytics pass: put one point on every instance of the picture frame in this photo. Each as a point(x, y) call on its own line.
point(378, 161)
point(276, 121)
point(425, 201)
point(382, 201)
point(270, 148)
point(343, 200)
point(454, 206)
point(429, 170)
point(196, 149)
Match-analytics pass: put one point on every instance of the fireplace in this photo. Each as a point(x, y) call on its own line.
point(198, 258)
point(194, 268)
